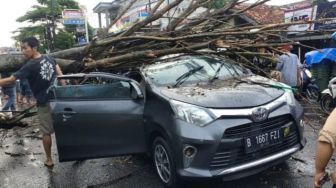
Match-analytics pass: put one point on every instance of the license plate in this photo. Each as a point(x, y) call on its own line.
point(262, 140)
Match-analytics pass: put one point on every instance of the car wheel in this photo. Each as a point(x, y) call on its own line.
point(327, 104)
point(164, 162)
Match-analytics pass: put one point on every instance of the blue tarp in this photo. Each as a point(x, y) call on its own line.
point(316, 56)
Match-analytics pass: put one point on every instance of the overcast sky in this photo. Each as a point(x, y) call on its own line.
point(13, 9)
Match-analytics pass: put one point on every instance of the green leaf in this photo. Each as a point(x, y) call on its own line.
point(217, 4)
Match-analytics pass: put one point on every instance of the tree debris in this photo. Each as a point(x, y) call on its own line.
point(12, 154)
point(189, 32)
point(299, 160)
point(185, 33)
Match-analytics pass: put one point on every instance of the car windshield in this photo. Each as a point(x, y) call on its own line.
point(168, 73)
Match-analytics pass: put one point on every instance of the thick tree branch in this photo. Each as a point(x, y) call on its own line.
point(121, 14)
point(150, 19)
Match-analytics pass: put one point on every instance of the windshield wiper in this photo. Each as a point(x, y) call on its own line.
point(186, 75)
point(220, 68)
point(240, 81)
point(217, 72)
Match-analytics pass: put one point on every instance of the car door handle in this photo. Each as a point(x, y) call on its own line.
point(67, 113)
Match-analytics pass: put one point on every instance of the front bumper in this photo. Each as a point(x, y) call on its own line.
point(243, 170)
point(258, 165)
point(220, 154)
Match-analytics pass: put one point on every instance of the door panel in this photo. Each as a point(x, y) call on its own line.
point(98, 128)
point(87, 128)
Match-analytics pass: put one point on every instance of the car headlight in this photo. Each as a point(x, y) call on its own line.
point(191, 113)
point(288, 95)
point(290, 98)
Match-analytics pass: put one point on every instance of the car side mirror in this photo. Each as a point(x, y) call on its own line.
point(50, 88)
point(51, 92)
point(137, 94)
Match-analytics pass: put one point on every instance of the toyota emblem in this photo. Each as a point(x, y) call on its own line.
point(259, 114)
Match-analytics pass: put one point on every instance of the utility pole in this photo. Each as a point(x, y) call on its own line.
point(52, 42)
point(47, 32)
point(86, 29)
point(84, 10)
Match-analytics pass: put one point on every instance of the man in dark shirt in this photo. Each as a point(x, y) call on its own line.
point(40, 71)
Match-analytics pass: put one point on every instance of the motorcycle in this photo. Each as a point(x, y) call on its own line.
point(328, 99)
point(309, 88)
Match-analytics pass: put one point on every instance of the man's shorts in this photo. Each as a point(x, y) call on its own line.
point(328, 132)
point(45, 121)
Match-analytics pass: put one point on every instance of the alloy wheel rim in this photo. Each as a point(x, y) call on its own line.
point(162, 163)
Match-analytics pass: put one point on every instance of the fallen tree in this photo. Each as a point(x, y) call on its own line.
point(208, 33)
point(185, 33)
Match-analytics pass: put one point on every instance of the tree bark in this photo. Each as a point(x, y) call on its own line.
point(13, 62)
point(108, 62)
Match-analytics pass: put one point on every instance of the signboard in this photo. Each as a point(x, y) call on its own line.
point(73, 22)
point(73, 17)
point(77, 17)
point(299, 15)
point(72, 13)
point(326, 10)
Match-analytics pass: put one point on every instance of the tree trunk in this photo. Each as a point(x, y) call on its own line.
point(13, 62)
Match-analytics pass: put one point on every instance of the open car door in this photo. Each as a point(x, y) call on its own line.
point(97, 115)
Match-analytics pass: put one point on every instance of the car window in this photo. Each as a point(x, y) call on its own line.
point(95, 88)
point(168, 72)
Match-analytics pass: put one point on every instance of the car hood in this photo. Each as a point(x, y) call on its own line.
point(226, 93)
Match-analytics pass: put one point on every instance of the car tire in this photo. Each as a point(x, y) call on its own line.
point(164, 163)
point(327, 104)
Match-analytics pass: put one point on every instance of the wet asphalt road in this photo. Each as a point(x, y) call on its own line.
point(21, 165)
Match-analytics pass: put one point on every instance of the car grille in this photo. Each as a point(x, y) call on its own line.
point(227, 157)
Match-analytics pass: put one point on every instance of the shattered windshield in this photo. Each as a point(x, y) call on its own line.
point(168, 73)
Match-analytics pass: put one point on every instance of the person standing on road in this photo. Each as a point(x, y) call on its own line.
point(10, 91)
point(325, 147)
point(40, 71)
point(289, 66)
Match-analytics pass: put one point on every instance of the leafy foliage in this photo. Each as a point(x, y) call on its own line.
point(217, 4)
point(64, 40)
